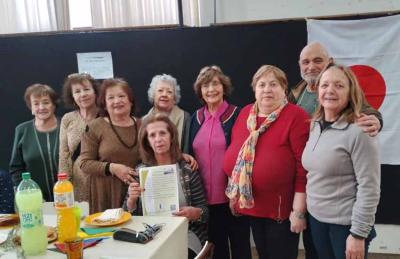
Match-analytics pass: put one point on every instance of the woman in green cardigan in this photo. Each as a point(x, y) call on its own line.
point(36, 142)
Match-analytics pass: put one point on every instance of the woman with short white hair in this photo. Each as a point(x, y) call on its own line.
point(165, 93)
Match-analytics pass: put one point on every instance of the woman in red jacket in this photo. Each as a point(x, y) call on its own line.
point(267, 181)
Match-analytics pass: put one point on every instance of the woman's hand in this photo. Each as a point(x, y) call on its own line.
point(191, 213)
point(191, 161)
point(123, 172)
point(134, 192)
point(297, 222)
point(369, 124)
point(355, 248)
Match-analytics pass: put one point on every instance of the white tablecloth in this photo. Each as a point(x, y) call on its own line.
point(170, 243)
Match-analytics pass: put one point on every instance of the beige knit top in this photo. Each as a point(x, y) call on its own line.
point(71, 130)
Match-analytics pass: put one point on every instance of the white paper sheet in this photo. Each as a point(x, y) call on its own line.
point(160, 196)
point(98, 64)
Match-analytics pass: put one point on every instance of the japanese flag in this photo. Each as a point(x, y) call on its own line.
point(371, 47)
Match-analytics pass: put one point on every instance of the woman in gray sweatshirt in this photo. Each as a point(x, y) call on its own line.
point(343, 180)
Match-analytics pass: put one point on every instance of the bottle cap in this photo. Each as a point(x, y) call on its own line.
point(62, 176)
point(26, 176)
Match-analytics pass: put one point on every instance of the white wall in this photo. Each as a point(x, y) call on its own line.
point(257, 10)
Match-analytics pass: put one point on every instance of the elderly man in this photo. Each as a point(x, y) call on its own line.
point(313, 59)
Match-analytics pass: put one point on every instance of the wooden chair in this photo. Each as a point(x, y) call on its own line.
point(206, 252)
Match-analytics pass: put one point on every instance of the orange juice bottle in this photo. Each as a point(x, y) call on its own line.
point(64, 204)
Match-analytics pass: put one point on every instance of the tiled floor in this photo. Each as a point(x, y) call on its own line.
point(370, 256)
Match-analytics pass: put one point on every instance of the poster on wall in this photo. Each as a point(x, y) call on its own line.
point(98, 64)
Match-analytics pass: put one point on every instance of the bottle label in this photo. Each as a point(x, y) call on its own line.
point(30, 219)
point(63, 200)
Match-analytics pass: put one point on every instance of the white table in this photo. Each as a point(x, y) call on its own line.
point(169, 243)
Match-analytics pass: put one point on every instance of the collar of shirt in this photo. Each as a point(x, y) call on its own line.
point(217, 114)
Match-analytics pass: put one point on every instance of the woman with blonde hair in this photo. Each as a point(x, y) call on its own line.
point(343, 183)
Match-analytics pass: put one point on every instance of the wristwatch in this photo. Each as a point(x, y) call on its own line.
point(299, 215)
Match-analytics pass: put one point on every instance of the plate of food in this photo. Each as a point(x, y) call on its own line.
point(107, 218)
point(8, 220)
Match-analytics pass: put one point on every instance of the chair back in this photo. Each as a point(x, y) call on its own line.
point(206, 252)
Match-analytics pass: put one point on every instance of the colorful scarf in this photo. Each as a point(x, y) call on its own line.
point(240, 182)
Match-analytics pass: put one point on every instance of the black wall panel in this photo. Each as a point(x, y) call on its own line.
point(138, 55)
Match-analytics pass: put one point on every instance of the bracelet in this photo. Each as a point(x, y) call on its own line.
point(299, 215)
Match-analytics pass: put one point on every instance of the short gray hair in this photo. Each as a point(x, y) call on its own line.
point(167, 79)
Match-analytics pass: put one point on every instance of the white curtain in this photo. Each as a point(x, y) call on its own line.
point(123, 13)
point(33, 15)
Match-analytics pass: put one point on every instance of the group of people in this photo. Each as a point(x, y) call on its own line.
point(301, 160)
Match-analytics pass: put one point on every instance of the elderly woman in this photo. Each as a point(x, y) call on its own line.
point(79, 92)
point(343, 182)
point(164, 94)
point(210, 135)
point(36, 141)
point(159, 146)
point(263, 161)
point(110, 148)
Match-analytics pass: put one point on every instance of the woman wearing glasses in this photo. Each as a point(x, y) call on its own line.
point(110, 147)
point(79, 92)
point(36, 141)
point(210, 135)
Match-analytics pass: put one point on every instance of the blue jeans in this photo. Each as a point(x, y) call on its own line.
point(330, 239)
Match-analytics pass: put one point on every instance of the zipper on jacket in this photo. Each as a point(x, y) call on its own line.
point(320, 134)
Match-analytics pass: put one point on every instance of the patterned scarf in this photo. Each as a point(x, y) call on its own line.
point(240, 182)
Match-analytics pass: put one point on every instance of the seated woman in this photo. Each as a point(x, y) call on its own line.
point(343, 180)
point(164, 94)
point(36, 143)
point(158, 145)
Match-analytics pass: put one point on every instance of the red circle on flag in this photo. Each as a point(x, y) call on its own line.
point(372, 83)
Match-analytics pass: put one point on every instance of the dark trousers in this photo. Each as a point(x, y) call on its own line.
point(330, 239)
point(309, 248)
point(224, 228)
point(273, 239)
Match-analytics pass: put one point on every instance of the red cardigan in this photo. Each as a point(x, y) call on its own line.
point(277, 171)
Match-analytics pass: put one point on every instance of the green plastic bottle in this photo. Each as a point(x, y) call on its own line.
point(29, 200)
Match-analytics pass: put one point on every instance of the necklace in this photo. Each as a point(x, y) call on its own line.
point(119, 137)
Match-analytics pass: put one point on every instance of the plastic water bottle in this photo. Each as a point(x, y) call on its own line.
point(29, 200)
point(64, 204)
